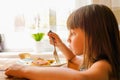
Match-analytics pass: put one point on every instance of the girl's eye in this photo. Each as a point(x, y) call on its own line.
point(72, 33)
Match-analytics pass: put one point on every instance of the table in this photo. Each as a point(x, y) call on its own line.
point(4, 63)
point(2, 75)
point(9, 58)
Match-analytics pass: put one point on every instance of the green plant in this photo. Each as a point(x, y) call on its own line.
point(38, 36)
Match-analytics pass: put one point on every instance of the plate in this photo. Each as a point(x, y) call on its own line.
point(28, 61)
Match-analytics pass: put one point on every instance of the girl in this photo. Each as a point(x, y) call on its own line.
point(94, 34)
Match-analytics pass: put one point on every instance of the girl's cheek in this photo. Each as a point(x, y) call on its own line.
point(72, 45)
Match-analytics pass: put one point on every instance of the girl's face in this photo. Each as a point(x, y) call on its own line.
point(76, 41)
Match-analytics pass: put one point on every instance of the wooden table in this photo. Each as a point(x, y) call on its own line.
point(7, 59)
point(7, 62)
point(2, 75)
point(4, 63)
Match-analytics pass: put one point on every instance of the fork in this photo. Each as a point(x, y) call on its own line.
point(56, 55)
point(55, 51)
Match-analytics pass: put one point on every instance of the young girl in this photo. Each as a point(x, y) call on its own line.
point(94, 34)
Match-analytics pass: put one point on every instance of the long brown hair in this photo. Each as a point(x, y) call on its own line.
point(102, 31)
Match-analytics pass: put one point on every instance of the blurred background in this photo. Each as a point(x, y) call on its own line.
point(21, 18)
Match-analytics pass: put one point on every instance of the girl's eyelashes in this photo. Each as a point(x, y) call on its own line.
point(72, 33)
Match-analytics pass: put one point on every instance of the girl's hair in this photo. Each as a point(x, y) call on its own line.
point(102, 33)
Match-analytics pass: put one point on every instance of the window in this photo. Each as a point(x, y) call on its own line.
point(20, 18)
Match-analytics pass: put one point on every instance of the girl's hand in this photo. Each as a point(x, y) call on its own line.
point(15, 71)
point(54, 39)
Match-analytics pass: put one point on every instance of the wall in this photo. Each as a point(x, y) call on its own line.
point(113, 4)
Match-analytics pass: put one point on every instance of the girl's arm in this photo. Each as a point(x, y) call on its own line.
point(100, 70)
point(43, 73)
point(72, 58)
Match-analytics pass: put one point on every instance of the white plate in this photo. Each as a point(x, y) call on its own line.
point(28, 61)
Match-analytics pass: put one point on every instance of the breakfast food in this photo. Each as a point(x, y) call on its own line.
point(24, 55)
point(42, 62)
point(34, 61)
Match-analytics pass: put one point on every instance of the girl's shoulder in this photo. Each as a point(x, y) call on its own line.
point(104, 67)
point(102, 64)
point(99, 70)
point(99, 65)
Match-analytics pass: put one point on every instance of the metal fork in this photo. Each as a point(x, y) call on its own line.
point(55, 51)
point(56, 55)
